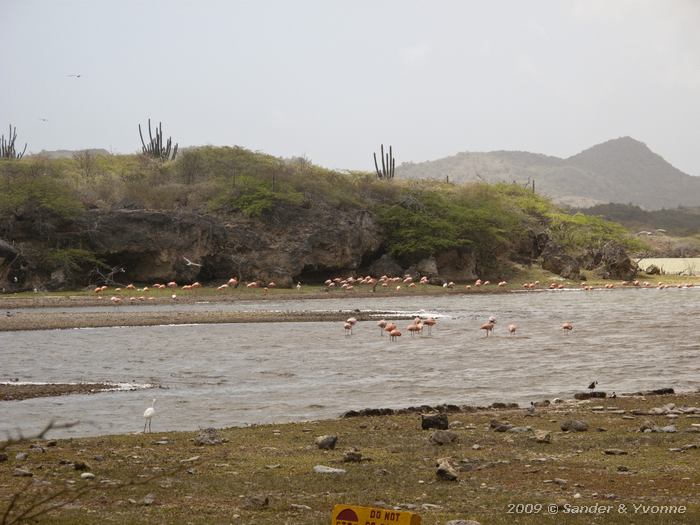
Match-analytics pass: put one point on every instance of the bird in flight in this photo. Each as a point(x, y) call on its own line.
point(43, 119)
point(190, 263)
point(78, 75)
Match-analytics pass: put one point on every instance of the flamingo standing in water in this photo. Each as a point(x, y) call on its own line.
point(348, 328)
point(512, 328)
point(394, 334)
point(430, 322)
point(382, 325)
point(488, 327)
point(567, 326)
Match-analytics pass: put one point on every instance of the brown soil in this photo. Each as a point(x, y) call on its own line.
point(19, 392)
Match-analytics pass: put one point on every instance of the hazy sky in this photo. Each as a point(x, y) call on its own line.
point(331, 79)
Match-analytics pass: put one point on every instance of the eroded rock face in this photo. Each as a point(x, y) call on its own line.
point(556, 261)
point(611, 262)
point(152, 246)
point(456, 265)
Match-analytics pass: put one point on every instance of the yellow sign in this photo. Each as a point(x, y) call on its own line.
point(353, 515)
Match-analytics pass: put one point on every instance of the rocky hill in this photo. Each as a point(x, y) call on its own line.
point(258, 217)
point(620, 170)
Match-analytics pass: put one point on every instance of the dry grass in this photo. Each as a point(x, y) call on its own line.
point(277, 461)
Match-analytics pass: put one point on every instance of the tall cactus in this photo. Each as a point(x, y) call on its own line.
point(155, 146)
point(388, 164)
point(7, 146)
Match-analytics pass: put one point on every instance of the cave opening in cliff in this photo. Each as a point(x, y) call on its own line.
point(312, 274)
point(139, 267)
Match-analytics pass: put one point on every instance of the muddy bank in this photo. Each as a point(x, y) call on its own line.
point(61, 320)
point(10, 392)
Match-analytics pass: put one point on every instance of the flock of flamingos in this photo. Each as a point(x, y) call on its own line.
point(349, 283)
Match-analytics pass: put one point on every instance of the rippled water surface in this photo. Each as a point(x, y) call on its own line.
point(234, 374)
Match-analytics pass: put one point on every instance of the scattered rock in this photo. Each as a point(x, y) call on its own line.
point(445, 470)
point(81, 465)
point(596, 394)
point(149, 499)
point(559, 481)
point(297, 506)
point(462, 522)
point(476, 446)
point(352, 455)
point(326, 442)
point(21, 473)
point(574, 425)
point(189, 460)
point(500, 426)
point(257, 501)
point(615, 452)
point(543, 436)
point(21, 456)
point(622, 468)
point(99, 458)
point(442, 437)
point(208, 436)
point(519, 429)
point(438, 421)
point(322, 469)
point(3, 457)
point(87, 475)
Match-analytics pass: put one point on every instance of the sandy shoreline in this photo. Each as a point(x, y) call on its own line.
point(110, 317)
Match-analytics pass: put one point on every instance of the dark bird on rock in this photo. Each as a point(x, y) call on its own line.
point(592, 385)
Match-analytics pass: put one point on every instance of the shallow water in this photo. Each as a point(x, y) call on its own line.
point(235, 374)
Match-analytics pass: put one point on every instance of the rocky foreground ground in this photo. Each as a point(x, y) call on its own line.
point(632, 459)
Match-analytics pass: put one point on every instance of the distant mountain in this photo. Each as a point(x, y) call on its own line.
point(67, 153)
point(619, 170)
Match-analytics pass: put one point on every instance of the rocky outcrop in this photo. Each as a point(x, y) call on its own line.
point(457, 265)
point(555, 260)
point(294, 244)
point(611, 262)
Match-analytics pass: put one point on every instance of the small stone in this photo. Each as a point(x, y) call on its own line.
point(445, 470)
point(462, 522)
point(442, 437)
point(51, 443)
point(81, 465)
point(87, 475)
point(3, 457)
point(577, 495)
point(456, 424)
point(500, 426)
point(276, 465)
point(615, 452)
point(21, 456)
point(322, 469)
point(149, 499)
point(689, 446)
point(438, 421)
point(519, 430)
point(559, 481)
point(675, 450)
point(207, 436)
point(189, 460)
point(132, 501)
point(297, 506)
point(622, 468)
point(543, 436)
point(326, 442)
point(476, 446)
point(669, 428)
point(21, 473)
point(99, 458)
point(258, 501)
point(352, 455)
point(574, 425)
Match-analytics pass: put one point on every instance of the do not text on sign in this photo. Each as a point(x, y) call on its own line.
point(354, 515)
